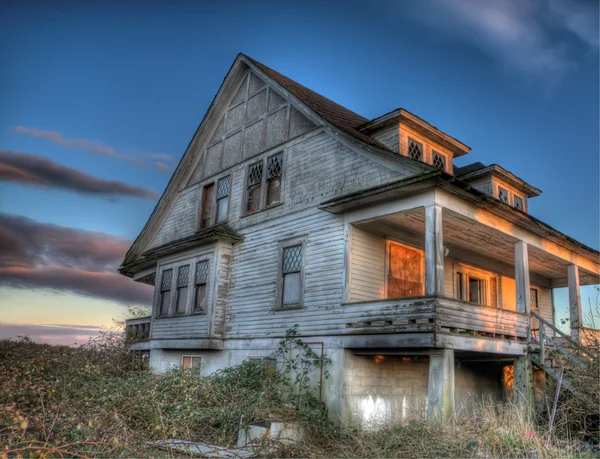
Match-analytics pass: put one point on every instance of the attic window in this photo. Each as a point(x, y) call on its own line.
point(503, 195)
point(439, 161)
point(518, 202)
point(415, 149)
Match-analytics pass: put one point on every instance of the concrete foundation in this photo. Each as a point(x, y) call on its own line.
point(372, 390)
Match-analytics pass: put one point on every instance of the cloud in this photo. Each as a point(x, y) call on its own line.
point(91, 146)
point(53, 334)
point(38, 255)
point(39, 171)
point(162, 166)
point(159, 156)
point(524, 35)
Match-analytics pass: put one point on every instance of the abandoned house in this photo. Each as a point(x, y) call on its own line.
point(421, 281)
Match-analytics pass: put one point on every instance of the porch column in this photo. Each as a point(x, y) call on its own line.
point(523, 394)
point(434, 251)
point(522, 278)
point(575, 316)
point(440, 392)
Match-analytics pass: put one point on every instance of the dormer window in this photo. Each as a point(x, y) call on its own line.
point(503, 195)
point(415, 149)
point(518, 202)
point(439, 161)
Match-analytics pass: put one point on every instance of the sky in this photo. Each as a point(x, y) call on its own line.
point(98, 101)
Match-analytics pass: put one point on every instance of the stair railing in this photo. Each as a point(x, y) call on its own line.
point(546, 339)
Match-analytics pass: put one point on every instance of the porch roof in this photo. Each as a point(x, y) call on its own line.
point(441, 180)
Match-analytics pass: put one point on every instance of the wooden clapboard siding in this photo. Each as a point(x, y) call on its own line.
point(367, 266)
point(454, 314)
point(182, 220)
point(484, 185)
point(389, 137)
point(195, 326)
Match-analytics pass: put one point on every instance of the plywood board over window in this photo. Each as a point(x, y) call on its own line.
point(405, 271)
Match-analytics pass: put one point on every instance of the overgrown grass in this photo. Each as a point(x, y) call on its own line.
point(98, 400)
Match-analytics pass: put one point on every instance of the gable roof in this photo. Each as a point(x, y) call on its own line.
point(475, 170)
point(334, 113)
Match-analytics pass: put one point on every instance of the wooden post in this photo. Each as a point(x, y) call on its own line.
point(440, 392)
point(522, 278)
point(434, 251)
point(542, 344)
point(575, 316)
point(523, 394)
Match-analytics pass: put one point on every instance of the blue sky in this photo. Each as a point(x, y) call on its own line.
point(125, 83)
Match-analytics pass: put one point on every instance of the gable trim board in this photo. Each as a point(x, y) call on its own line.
point(195, 151)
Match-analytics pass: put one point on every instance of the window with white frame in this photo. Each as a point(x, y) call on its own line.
point(184, 287)
point(475, 285)
point(165, 292)
point(415, 149)
point(264, 183)
point(191, 364)
point(405, 271)
point(291, 274)
point(269, 364)
point(200, 282)
point(215, 202)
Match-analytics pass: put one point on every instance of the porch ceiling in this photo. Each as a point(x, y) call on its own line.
point(474, 242)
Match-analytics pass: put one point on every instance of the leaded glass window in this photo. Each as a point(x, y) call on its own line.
point(415, 149)
point(165, 292)
point(518, 202)
point(223, 199)
point(534, 298)
point(439, 161)
point(183, 274)
point(254, 186)
point(291, 274)
point(502, 195)
point(200, 281)
point(274, 170)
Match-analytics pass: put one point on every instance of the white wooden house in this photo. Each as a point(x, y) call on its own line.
point(417, 277)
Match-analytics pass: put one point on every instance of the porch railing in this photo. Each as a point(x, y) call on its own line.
point(137, 330)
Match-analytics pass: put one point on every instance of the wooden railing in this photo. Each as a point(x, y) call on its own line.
point(545, 339)
point(137, 329)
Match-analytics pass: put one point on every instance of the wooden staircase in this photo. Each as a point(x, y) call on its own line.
point(557, 354)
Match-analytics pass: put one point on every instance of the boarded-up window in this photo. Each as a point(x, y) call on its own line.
point(183, 274)
point(191, 364)
point(208, 206)
point(223, 199)
point(165, 292)
point(405, 271)
point(254, 187)
point(200, 286)
point(274, 169)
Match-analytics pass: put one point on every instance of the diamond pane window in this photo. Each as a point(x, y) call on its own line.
point(222, 199)
point(415, 149)
point(200, 286)
point(502, 195)
point(439, 161)
point(291, 275)
point(274, 168)
point(165, 292)
point(534, 298)
point(518, 202)
point(292, 259)
point(254, 187)
point(183, 274)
